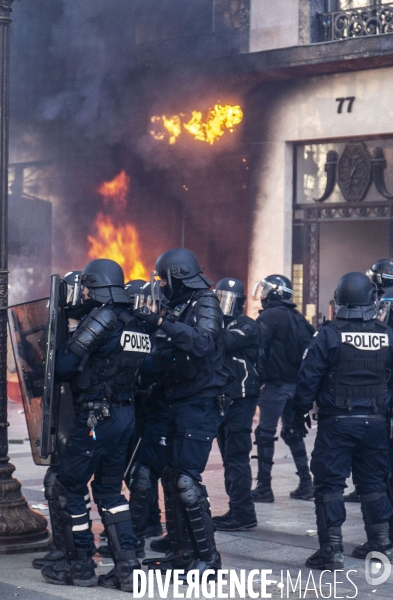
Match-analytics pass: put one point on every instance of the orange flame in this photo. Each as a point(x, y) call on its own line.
point(112, 236)
point(119, 243)
point(116, 191)
point(218, 120)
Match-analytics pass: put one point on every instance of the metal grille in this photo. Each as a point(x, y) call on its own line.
point(357, 22)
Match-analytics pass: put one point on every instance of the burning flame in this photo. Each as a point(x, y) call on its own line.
point(116, 190)
point(114, 238)
point(218, 120)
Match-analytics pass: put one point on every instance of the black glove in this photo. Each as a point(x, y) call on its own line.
point(147, 315)
point(299, 423)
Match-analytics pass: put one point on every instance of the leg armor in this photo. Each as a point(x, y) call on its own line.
point(330, 553)
point(121, 576)
point(76, 567)
point(264, 440)
point(198, 516)
point(296, 444)
point(298, 450)
point(189, 525)
point(143, 492)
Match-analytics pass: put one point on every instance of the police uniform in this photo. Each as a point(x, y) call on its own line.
point(241, 340)
point(347, 371)
point(101, 361)
point(276, 399)
point(150, 459)
point(188, 359)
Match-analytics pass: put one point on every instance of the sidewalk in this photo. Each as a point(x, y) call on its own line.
point(284, 538)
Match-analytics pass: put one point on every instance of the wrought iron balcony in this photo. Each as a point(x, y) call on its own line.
point(357, 22)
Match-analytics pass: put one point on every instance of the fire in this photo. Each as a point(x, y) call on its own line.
point(219, 119)
point(112, 237)
point(116, 190)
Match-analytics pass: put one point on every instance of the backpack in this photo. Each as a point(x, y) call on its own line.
point(300, 336)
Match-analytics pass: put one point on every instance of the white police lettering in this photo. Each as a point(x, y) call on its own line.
point(365, 341)
point(132, 341)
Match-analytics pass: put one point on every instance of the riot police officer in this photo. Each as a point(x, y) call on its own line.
point(151, 408)
point(100, 361)
point(347, 371)
point(241, 341)
point(286, 334)
point(188, 357)
point(381, 273)
point(69, 287)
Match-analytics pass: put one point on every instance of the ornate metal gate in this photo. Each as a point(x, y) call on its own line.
point(354, 189)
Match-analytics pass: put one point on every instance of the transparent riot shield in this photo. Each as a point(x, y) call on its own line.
point(56, 336)
point(29, 328)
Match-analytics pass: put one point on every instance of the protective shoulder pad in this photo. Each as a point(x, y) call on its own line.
point(208, 313)
point(92, 332)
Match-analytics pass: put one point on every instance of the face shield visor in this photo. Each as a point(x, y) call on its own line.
point(385, 306)
point(230, 303)
point(152, 300)
point(263, 288)
point(164, 280)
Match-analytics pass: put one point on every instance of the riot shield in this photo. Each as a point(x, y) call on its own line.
point(28, 327)
point(56, 336)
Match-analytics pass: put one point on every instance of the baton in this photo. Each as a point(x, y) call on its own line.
point(128, 468)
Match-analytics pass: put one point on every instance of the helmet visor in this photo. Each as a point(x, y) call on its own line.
point(384, 309)
point(262, 288)
point(228, 302)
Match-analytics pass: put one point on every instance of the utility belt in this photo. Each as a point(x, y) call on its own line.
point(98, 405)
point(103, 407)
point(365, 416)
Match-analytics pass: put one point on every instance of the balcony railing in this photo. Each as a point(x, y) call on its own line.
point(357, 22)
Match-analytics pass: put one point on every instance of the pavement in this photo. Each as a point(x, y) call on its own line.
point(284, 538)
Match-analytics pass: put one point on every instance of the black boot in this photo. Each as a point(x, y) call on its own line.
point(162, 544)
point(295, 442)
point(221, 518)
point(330, 554)
point(377, 541)
point(264, 441)
point(263, 492)
point(78, 570)
point(50, 558)
point(237, 522)
point(378, 534)
point(189, 525)
point(121, 576)
point(305, 489)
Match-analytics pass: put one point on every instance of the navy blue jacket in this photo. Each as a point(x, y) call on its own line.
point(321, 356)
point(188, 354)
point(241, 338)
point(67, 362)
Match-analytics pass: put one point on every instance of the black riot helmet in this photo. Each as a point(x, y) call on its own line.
point(230, 292)
point(356, 297)
point(273, 287)
point(104, 279)
point(381, 273)
point(181, 271)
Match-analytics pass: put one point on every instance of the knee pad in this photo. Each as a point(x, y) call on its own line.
point(187, 489)
point(290, 436)
point(107, 476)
point(49, 480)
point(265, 438)
point(140, 478)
